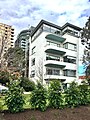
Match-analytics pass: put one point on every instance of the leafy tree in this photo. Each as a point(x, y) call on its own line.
point(14, 98)
point(84, 94)
point(4, 77)
point(72, 95)
point(85, 40)
point(55, 95)
point(15, 58)
point(38, 98)
point(27, 84)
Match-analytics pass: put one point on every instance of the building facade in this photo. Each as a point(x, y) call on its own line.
point(23, 42)
point(54, 52)
point(6, 40)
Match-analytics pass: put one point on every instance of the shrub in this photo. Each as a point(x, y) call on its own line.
point(72, 95)
point(27, 84)
point(14, 99)
point(1, 106)
point(38, 98)
point(4, 77)
point(84, 94)
point(55, 95)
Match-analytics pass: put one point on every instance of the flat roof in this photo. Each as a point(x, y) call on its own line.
point(54, 25)
point(44, 22)
point(71, 25)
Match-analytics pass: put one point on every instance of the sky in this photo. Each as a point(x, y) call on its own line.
point(21, 14)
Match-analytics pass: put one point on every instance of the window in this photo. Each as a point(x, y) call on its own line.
point(70, 46)
point(53, 44)
point(52, 72)
point(33, 50)
point(70, 59)
point(33, 62)
point(32, 73)
point(70, 73)
point(51, 57)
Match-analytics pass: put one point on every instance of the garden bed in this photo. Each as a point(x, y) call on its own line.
point(79, 113)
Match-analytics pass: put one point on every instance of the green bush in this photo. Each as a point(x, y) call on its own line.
point(4, 77)
point(55, 95)
point(14, 99)
point(27, 84)
point(1, 106)
point(84, 94)
point(72, 95)
point(38, 98)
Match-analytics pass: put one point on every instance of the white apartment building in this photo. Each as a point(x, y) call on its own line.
point(54, 52)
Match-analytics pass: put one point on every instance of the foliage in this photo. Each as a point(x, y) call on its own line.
point(87, 72)
point(55, 95)
point(84, 94)
point(85, 40)
point(85, 35)
point(15, 58)
point(39, 97)
point(72, 95)
point(14, 99)
point(1, 106)
point(27, 84)
point(4, 77)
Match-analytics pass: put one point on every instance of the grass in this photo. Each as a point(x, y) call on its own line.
point(26, 105)
point(27, 99)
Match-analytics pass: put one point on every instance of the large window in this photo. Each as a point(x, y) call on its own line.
point(52, 71)
point(70, 46)
point(70, 59)
point(51, 57)
point(51, 29)
point(53, 43)
point(70, 73)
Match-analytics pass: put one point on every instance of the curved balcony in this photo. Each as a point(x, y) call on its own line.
point(54, 64)
point(55, 50)
point(53, 77)
point(55, 38)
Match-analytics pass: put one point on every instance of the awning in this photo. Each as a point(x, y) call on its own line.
point(55, 38)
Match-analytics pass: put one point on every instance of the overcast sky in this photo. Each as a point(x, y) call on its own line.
point(23, 13)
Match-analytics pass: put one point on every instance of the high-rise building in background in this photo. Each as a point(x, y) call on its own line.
point(6, 41)
point(54, 52)
point(22, 41)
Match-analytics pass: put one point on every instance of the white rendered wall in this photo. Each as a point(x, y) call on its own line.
point(40, 55)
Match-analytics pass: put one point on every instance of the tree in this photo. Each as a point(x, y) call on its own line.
point(85, 40)
point(14, 97)
point(38, 98)
point(15, 59)
point(39, 70)
point(2, 45)
point(27, 84)
point(4, 77)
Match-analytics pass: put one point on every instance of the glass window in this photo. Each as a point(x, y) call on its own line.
point(46, 28)
point(51, 57)
point(53, 43)
point(70, 46)
point(70, 59)
point(52, 72)
point(33, 62)
point(32, 73)
point(70, 73)
point(33, 50)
